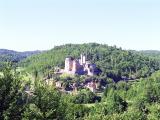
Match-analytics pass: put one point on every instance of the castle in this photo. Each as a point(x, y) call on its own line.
point(79, 66)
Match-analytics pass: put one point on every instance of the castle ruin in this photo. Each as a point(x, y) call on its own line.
point(79, 66)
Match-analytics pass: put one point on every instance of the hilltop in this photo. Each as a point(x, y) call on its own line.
point(114, 62)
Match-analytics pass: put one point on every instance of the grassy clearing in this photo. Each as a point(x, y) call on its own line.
point(1, 73)
point(90, 104)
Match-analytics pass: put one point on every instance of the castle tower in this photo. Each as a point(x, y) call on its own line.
point(76, 66)
point(83, 59)
point(68, 64)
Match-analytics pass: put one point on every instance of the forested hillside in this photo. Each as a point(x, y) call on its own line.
point(151, 53)
point(14, 56)
point(113, 62)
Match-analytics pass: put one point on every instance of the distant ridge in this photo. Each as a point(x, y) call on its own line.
point(151, 53)
point(15, 56)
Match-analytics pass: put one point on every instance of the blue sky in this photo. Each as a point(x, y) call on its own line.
point(42, 24)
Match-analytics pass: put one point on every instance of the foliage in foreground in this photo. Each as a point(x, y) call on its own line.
point(137, 100)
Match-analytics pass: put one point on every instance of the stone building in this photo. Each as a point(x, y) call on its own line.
point(59, 84)
point(79, 66)
point(91, 86)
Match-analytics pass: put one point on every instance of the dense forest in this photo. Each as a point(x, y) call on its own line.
point(14, 56)
point(114, 62)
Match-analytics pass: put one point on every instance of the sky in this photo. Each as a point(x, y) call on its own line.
point(42, 24)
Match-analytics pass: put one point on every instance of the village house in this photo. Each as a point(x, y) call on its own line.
point(91, 86)
point(59, 84)
point(49, 81)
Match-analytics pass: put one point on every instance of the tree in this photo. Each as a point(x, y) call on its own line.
point(115, 104)
point(12, 103)
point(44, 103)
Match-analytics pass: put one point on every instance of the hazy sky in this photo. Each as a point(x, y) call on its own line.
point(42, 24)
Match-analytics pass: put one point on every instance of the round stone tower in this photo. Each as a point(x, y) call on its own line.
point(76, 66)
point(68, 64)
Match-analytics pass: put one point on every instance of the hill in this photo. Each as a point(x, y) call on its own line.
point(114, 62)
point(124, 100)
point(151, 53)
point(14, 56)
